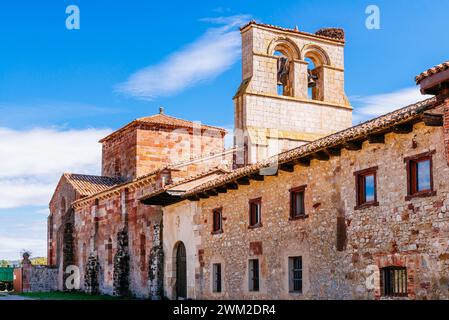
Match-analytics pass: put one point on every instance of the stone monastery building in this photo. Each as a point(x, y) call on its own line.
point(304, 206)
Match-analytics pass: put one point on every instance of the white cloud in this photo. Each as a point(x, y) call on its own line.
point(373, 106)
point(12, 246)
point(204, 59)
point(33, 160)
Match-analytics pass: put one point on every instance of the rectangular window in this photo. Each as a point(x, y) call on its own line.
point(216, 270)
point(253, 275)
point(217, 221)
point(419, 175)
point(255, 213)
point(295, 274)
point(366, 187)
point(297, 203)
point(394, 281)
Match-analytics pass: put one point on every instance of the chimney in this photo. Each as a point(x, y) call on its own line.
point(435, 81)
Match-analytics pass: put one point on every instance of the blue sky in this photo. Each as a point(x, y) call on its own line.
point(61, 90)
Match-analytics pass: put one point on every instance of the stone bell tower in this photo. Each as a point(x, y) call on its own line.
point(292, 89)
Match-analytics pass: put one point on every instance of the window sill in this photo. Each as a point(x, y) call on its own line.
point(366, 205)
point(301, 217)
point(421, 194)
point(216, 232)
point(259, 225)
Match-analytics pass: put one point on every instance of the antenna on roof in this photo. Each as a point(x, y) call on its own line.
point(161, 110)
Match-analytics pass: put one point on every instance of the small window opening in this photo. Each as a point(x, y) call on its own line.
point(312, 80)
point(216, 270)
point(295, 274)
point(284, 87)
point(253, 275)
point(255, 213)
point(394, 281)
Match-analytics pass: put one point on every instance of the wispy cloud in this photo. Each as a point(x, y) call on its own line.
point(204, 59)
point(373, 106)
point(33, 160)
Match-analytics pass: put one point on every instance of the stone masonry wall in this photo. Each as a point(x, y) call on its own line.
point(105, 244)
point(141, 150)
point(119, 155)
point(412, 233)
point(159, 147)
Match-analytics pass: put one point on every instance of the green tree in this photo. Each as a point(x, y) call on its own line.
point(4, 263)
point(39, 261)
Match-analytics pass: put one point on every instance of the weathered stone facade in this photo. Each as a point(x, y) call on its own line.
point(412, 233)
point(145, 227)
point(98, 223)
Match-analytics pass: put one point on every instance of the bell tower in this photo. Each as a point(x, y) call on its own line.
point(292, 89)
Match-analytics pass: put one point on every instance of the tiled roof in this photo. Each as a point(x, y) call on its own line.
point(185, 185)
point(319, 34)
point(147, 177)
point(360, 131)
point(164, 120)
point(88, 185)
point(438, 68)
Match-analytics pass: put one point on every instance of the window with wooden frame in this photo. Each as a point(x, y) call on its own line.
point(420, 175)
point(295, 274)
point(253, 275)
point(255, 212)
point(366, 188)
point(394, 281)
point(217, 221)
point(297, 203)
point(216, 277)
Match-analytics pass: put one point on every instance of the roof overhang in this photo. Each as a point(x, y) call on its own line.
point(164, 198)
point(435, 83)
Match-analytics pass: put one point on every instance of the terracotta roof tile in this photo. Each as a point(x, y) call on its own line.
point(370, 127)
point(88, 185)
point(164, 121)
point(438, 68)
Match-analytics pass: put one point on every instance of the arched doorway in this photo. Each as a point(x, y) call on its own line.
point(181, 271)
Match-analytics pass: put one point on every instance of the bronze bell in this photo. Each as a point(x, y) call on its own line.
point(311, 80)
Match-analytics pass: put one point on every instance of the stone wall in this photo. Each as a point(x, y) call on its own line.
point(159, 147)
point(119, 155)
point(37, 278)
point(43, 279)
point(181, 224)
point(141, 150)
point(399, 231)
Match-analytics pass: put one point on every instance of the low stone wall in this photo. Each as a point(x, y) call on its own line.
point(39, 279)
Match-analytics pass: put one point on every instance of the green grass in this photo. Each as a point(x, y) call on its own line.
point(58, 295)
